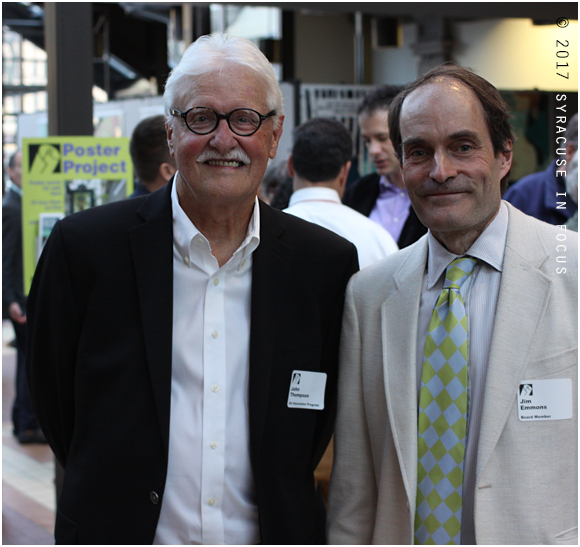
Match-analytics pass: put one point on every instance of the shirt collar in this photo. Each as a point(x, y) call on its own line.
point(489, 247)
point(314, 193)
point(189, 240)
point(385, 185)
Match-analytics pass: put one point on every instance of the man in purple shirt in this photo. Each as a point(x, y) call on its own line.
point(543, 195)
point(382, 195)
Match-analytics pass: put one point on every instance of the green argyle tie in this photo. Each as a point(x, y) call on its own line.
point(443, 415)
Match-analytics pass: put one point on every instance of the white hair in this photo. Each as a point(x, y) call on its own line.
point(214, 52)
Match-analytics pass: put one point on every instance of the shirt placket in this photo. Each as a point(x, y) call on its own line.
point(214, 410)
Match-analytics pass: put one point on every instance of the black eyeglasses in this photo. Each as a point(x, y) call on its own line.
point(202, 120)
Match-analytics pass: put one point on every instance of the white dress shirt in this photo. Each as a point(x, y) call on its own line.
point(480, 293)
point(209, 496)
point(322, 206)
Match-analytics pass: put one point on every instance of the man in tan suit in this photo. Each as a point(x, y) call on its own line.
point(393, 480)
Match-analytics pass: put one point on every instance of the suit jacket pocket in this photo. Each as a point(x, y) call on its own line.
point(65, 530)
point(554, 365)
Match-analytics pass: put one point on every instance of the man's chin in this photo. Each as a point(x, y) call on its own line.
point(385, 169)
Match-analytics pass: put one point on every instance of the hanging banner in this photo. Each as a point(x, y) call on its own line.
point(64, 175)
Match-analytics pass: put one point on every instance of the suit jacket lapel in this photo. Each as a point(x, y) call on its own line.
point(399, 338)
point(523, 295)
point(270, 273)
point(152, 250)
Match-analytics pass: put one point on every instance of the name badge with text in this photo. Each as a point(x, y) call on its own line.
point(545, 399)
point(307, 390)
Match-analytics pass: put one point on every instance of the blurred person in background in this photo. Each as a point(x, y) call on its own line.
point(26, 428)
point(276, 175)
point(319, 165)
point(540, 195)
point(152, 162)
point(382, 195)
point(572, 190)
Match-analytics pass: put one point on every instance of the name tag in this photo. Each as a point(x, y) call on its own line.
point(545, 399)
point(307, 390)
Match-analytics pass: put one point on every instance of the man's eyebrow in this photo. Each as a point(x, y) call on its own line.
point(412, 141)
point(464, 134)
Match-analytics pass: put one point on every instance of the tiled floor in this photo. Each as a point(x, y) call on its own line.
point(28, 495)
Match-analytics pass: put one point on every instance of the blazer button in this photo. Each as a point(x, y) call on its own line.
point(154, 498)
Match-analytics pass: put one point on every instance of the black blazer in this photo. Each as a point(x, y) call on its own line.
point(362, 196)
point(99, 368)
point(12, 276)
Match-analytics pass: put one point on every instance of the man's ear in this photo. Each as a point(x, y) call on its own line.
point(506, 160)
point(169, 131)
point(344, 173)
point(342, 178)
point(276, 138)
point(166, 171)
point(291, 166)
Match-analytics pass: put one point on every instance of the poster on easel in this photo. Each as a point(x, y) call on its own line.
point(64, 175)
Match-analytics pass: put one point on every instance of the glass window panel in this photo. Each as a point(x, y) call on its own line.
point(12, 41)
point(31, 51)
point(9, 105)
point(29, 103)
point(42, 102)
point(33, 73)
point(255, 23)
point(9, 128)
point(10, 72)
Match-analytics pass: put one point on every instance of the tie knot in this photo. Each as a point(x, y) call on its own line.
point(458, 271)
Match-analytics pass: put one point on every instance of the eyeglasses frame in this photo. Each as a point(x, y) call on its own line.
point(220, 117)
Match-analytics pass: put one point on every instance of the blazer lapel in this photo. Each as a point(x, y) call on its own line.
point(152, 251)
point(270, 274)
point(399, 338)
point(523, 294)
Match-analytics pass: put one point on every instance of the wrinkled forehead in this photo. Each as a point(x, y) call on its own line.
point(449, 94)
point(442, 105)
point(228, 81)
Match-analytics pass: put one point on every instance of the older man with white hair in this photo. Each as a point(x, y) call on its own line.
point(184, 345)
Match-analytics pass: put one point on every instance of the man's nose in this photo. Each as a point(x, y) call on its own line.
point(223, 137)
point(374, 147)
point(442, 167)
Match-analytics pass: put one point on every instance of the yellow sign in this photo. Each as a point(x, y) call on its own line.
point(64, 175)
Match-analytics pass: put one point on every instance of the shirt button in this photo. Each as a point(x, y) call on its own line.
point(396, 219)
point(243, 263)
point(186, 260)
point(154, 498)
point(214, 388)
point(213, 445)
point(199, 241)
point(216, 281)
point(215, 334)
point(211, 501)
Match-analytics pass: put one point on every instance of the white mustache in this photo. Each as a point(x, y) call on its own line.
point(233, 155)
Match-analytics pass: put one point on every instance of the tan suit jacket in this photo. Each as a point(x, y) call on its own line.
point(526, 475)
